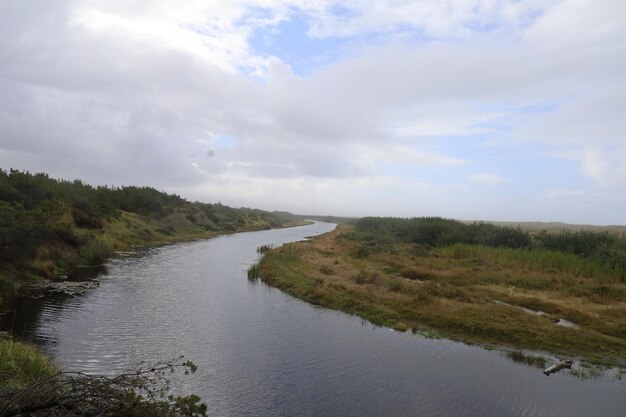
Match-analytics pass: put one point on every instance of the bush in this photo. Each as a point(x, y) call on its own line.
point(436, 231)
point(94, 252)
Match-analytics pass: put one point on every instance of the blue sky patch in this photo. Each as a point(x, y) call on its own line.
point(290, 43)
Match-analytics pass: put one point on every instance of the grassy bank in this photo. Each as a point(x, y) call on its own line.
point(49, 226)
point(464, 291)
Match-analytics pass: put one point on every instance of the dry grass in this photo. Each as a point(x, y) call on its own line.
point(472, 294)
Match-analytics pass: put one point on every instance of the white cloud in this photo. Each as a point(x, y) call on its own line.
point(487, 179)
point(135, 92)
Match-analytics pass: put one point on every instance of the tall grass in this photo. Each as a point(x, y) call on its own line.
point(264, 249)
point(253, 272)
point(603, 248)
point(21, 365)
point(94, 252)
point(539, 260)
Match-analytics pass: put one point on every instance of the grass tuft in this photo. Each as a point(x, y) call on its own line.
point(22, 365)
point(532, 360)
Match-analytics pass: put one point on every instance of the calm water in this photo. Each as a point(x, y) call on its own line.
point(263, 353)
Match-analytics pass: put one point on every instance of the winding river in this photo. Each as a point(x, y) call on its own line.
point(263, 353)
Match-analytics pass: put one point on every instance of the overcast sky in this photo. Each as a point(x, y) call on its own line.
point(471, 109)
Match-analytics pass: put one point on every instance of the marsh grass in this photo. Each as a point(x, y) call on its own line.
point(532, 360)
point(264, 249)
point(253, 272)
point(532, 259)
point(587, 372)
point(451, 291)
point(22, 365)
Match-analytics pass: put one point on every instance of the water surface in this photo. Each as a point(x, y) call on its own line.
point(261, 352)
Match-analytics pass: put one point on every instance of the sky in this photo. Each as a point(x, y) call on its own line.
point(507, 110)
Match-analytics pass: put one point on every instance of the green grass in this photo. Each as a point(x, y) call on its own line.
point(22, 365)
point(531, 259)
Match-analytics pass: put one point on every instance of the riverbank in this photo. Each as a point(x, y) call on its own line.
point(50, 226)
point(22, 364)
point(475, 294)
point(53, 261)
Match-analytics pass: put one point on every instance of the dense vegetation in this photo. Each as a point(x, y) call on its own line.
point(48, 226)
point(559, 291)
point(603, 248)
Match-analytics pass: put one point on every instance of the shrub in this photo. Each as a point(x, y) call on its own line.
point(94, 252)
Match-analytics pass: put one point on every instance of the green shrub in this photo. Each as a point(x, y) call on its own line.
point(94, 252)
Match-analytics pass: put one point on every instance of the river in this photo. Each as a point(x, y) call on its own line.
point(261, 352)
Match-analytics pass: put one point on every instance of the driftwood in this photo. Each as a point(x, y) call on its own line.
point(557, 367)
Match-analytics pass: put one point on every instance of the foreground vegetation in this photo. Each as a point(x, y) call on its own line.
point(32, 386)
point(49, 226)
point(474, 282)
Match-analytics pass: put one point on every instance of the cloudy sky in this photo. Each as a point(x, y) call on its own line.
point(471, 109)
